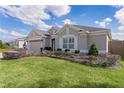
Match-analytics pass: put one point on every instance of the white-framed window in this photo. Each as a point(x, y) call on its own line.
point(65, 42)
point(71, 43)
point(68, 43)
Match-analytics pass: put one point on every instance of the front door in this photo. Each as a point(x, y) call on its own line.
point(53, 44)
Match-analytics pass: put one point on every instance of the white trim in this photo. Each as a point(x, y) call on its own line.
point(98, 34)
point(60, 43)
point(75, 42)
point(107, 44)
point(95, 32)
point(68, 36)
point(100, 51)
point(84, 51)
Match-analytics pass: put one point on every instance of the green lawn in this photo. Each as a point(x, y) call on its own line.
point(3, 50)
point(52, 72)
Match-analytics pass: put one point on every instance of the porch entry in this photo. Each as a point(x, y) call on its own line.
point(53, 44)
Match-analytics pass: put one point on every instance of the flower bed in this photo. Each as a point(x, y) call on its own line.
point(17, 53)
point(22, 52)
point(104, 60)
point(11, 55)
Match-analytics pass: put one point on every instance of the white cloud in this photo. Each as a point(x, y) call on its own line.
point(28, 14)
point(58, 25)
point(6, 35)
point(59, 10)
point(121, 28)
point(68, 21)
point(17, 34)
point(35, 14)
point(119, 15)
point(104, 23)
point(119, 36)
point(3, 31)
point(43, 26)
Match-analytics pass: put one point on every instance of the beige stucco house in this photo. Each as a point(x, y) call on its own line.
point(73, 37)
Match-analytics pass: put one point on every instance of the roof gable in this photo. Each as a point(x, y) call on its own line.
point(53, 30)
point(35, 33)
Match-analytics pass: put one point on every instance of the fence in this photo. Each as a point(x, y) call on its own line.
point(116, 47)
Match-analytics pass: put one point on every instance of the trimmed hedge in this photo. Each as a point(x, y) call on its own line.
point(11, 55)
point(67, 50)
point(77, 51)
point(47, 48)
point(93, 50)
point(59, 49)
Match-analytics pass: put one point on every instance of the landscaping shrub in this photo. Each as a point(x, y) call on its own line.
point(59, 49)
point(22, 52)
point(93, 50)
point(77, 51)
point(104, 61)
point(3, 45)
point(48, 48)
point(11, 55)
point(67, 50)
point(0, 44)
point(122, 56)
point(111, 60)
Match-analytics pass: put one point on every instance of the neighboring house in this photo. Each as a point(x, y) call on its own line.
point(73, 37)
point(18, 42)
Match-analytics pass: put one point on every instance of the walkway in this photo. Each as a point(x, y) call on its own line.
point(1, 55)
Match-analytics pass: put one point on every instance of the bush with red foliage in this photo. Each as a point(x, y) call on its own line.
point(21, 51)
point(11, 55)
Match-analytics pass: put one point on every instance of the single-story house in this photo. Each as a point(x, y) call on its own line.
point(73, 37)
point(19, 42)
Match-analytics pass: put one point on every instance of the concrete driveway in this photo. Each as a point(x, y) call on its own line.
point(1, 55)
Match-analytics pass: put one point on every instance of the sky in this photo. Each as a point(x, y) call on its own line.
point(18, 21)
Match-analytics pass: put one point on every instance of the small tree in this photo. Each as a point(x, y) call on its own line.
point(0, 43)
point(4, 45)
point(93, 50)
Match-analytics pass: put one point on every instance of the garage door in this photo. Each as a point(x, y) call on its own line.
point(35, 46)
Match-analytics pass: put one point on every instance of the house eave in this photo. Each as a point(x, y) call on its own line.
point(97, 33)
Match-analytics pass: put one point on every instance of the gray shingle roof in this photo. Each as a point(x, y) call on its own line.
point(88, 28)
point(41, 32)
